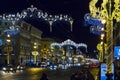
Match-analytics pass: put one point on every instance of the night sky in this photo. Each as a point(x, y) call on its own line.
point(61, 30)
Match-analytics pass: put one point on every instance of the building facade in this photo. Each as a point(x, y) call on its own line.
point(46, 47)
point(21, 43)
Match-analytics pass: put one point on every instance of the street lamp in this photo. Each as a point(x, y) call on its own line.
point(8, 48)
point(8, 54)
point(109, 10)
point(35, 52)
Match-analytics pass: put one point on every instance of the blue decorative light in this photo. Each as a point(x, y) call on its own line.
point(94, 22)
point(12, 32)
point(95, 30)
point(117, 51)
point(1, 42)
point(89, 20)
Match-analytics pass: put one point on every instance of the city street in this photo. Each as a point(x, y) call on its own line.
point(29, 74)
point(35, 74)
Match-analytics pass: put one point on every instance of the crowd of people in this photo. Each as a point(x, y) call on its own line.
point(44, 77)
point(74, 76)
point(79, 76)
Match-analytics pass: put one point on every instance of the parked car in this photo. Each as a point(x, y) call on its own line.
point(9, 68)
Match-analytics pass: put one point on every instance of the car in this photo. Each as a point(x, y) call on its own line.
point(9, 68)
point(53, 67)
point(43, 64)
point(20, 67)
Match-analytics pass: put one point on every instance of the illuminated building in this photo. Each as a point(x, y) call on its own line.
point(45, 47)
point(22, 43)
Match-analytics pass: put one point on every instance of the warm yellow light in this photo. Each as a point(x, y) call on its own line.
point(8, 35)
point(8, 40)
point(35, 47)
point(102, 29)
point(35, 43)
point(101, 42)
point(102, 36)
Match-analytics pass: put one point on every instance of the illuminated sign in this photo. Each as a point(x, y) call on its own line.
point(95, 30)
point(93, 22)
point(0, 42)
point(117, 51)
point(104, 71)
point(12, 32)
point(89, 20)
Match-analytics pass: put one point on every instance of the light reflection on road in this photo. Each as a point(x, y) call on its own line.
point(29, 74)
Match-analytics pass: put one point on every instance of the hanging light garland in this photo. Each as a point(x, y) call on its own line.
point(68, 42)
point(34, 12)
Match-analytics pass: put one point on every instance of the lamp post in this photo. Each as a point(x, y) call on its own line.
point(8, 54)
point(8, 49)
point(109, 10)
point(35, 52)
point(102, 46)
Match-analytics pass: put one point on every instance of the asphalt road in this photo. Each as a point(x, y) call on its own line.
point(29, 74)
point(35, 74)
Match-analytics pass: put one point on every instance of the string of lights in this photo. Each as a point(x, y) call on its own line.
point(69, 42)
point(34, 12)
point(109, 12)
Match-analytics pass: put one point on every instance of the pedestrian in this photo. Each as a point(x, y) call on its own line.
point(73, 76)
point(44, 77)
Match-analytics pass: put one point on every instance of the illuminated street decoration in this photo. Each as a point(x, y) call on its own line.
point(35, 52)
point(117, 52)
point(95, 23)
point(11, 32)
point(67, 50)
point(55, 44)
point(8, 48)
point(34, 12)
point(92, 21)
point(102, 47)
point(68, 42)
point(109, 10)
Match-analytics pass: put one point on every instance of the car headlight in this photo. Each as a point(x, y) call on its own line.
point(18, 67)
point(4, 68)
point(21, 67)
point(11, 68)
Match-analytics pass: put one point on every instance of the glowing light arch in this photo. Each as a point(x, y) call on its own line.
point(34, 12)
point(69, 42)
